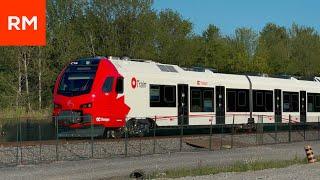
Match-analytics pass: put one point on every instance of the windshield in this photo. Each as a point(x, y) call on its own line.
point(76, 81)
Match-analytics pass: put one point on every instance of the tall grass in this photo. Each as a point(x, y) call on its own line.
point(15, 113)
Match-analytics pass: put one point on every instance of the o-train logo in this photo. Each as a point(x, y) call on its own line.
point(22, 22)
point(137, 83)
point(202, 83)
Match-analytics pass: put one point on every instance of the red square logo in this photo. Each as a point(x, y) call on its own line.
point(22, 22)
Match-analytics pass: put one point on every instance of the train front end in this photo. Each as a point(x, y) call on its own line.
point(88, 99)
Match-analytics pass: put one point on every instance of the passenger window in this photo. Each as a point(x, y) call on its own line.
point(196, 100)
point(311, 103)
point(259, 98)
point(162, 95)
point(269, 102)
point(154, 93)
point(202, 99)
point(290, 102)
point(231, 101)
point(237, 100)
point(119, 87)
point(242, 99)
point(169, 94)
point(208, 101)
point(317, 100)
point(295, 103)
point(107, 86)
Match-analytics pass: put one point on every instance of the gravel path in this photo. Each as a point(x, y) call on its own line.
point(296, 172)
point(46, 153)
point(122, 167)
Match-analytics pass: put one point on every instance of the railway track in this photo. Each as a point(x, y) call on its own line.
point(88, 140)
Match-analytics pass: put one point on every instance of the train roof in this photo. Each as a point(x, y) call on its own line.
point(169, 71)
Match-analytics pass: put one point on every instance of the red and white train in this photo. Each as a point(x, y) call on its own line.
point(111, 93)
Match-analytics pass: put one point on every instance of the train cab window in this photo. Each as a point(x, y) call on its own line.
point(107, 85)
point(202, 99)
point(162, 95)
point(290, 102)
point(169, 94)
point(119, 86)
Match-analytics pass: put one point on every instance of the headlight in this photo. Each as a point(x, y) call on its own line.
point(88, 105)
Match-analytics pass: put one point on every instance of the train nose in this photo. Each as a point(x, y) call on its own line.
point(70, 104)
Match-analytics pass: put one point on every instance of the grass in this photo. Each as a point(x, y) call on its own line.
point(237, 167)
point(15, 113)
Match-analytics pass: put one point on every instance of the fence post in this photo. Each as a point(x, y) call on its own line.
point(17, 148)
point(221, 134)
point(262, 128)
point(181, 131)
point(91, 126)
point(210, 137)
point(289, 128)
point(154, 134)
point(126, 139)
point(232, 132)
point(140, 147)
point(259, 130)
point(276, 131)
point(20, 140)
point(57, 137)
point(318, 128)
point(304, 131)
point(40, 145)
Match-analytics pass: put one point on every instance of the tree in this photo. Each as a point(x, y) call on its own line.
point(273, 44)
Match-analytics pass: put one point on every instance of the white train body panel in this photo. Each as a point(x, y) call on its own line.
point(148, 73)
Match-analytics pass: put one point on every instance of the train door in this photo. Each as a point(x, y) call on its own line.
point(277, 106)
point(183, 106)
point(303, 110)
point(220, 105)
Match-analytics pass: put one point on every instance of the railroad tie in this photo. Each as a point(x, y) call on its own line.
point(309, 153)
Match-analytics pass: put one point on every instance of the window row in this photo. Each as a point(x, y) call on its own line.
point(237, 100)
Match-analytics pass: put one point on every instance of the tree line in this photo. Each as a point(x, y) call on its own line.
point(86, 28)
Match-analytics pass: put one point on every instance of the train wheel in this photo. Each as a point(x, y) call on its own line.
point(138, 127)
point(114, 133)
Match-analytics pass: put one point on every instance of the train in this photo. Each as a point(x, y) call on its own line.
point(107, 95)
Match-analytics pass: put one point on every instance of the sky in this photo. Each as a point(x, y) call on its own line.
point(230, 14)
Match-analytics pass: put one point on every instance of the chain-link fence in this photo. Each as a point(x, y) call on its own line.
point(33, 141)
